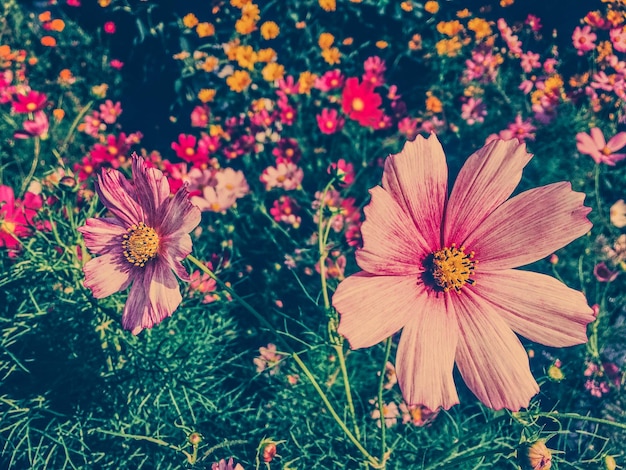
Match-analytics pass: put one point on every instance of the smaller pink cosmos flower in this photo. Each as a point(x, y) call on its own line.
point(142, 243)
point(529, 61)
point(109, 27)
point(37, 127)
point(617, 214)
point(618, 38)
point(226, 465)
point(200, 116)
point(343, 171)
point(583, 39)
point(109, 111)
point(269, 359)
point(331, 80)
point(285, 210)
point(473, 111)
point(286, 175)
point(17, 217)
point(391, 413)
point(599, 149)
point(116, 64)
point(29, 102)
point(519, 129)
point(329, 121)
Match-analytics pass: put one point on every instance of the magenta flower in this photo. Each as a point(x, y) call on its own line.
point(440, 268)
point(599, 149)
point(583, 39)
point(146, 239)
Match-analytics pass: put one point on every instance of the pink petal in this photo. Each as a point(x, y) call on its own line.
point(585, 144)
point(391, 243)
point(617, 142)
point(417, 178)
point(491, 359)
point(425, 358)
point(528, 227)
point(372, 308)
point(487, 179)
point(175, 249)
point(152, 298)
point(598, 138)
point(537, 306)
point(118, 196)
point(102, 235)
point(107, 274)
point(178, 215)
point(152, 188)
point(7, 201)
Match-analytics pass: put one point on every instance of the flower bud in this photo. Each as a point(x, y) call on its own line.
point(534, 456)
point(269, 452)
point(194, 438)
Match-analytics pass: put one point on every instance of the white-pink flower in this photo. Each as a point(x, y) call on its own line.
point(440, 267)
point(594, 145)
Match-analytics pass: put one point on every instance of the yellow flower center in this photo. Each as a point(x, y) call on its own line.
point(7, 226)
point(606, 151)
point(357, 104)
point(31, 107)
point(452, 268)
point(141, 244)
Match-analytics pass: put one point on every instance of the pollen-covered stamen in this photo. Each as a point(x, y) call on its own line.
point(141, 244)
point(452, 268)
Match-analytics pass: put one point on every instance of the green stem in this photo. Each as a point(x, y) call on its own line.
point(70, 132)
point(381, 383)
point(556, 415)
point(321, 241)
point(597, 190)
point(372, 460)
point(33, 166)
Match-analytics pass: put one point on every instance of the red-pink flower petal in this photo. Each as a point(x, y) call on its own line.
point(178, 214)
point(102, 235)
point(177, 250)
point(151, 188)
point(598, 138)
point(118, 196)
point(537, 306)
point(417, 178)
point(391, 243)
point(425, 358)
point(528, 227)
point(491, 359)
point(585, 144)
point(107, 274)
point(487, 179)
point(372, 308)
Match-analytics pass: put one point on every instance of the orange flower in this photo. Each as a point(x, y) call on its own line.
point(266, 55)
point(326, 40)
point(190, 20)
point(269, 30)
point(206, 95)
point(58, 114)
point(239, 81)
point(245, 25)
point(382, 44)
point(209, 64)
point(273, 71)
point(328, 5)
point(48, 41)
point(205, 29)
point(480, 27)
point(44, 16)
point(332, 56)
point(450, 28)
point(431, 7)
point(449, 47)
point(407, 6)
point(246, 57)
point(57, 25)
point(433, 104)
point(306, 82)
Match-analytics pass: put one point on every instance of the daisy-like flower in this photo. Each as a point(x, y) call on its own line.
point(440, 268)
point(594, 145)
point(142, 244)
point(361, 103)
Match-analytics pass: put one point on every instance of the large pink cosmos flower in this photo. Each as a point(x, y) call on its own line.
point(439, 267)
point(144, 241)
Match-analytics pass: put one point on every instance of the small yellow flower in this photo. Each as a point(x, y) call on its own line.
point(306, 82)
point(449, 47)
point(206, 95)
point(269, 30)
point(100, 91)
point(245, 25)
point(332, 56)
point(347, 41)
point(104, 3)
point(506, 3)
point(450, 28)
point(407, 6)
point(381, 44)
point(205, 29)
point(190, 20)
point(246, 57)
point(431, 7)
point(326, 40)
point(555, 373)
point(239, 81)
point(328, 5)
point(464, 13)
point(266, 55)
point(605, 49)
point(182, 55)
point(415, 44)
point(273, 71)
point(480, 27)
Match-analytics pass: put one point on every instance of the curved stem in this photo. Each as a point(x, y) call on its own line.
point(596, 181)
point(33, 166)
point(381, 383)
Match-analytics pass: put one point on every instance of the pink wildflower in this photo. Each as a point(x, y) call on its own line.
point(329, 121)
point(226, 465)
point(473, 111)
point(603, 273)
point(343, 171)
point(417, 415)
point(534, 22)
point(583, 39)
point(440, 267)
point(331, 80)
point(519, 129)
point(269, 359)
point(142, 244)
point(109, 27)
point(37, 127)
point(529, 61)
point(286, 175)
point(285, 210)
point(599, 149)
point(109, 111)
point(390, 413)
point(200, 116)
point(30, 102)
point(93, 125)
point(116, 64)
point(17, 216)
point(618, 38)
